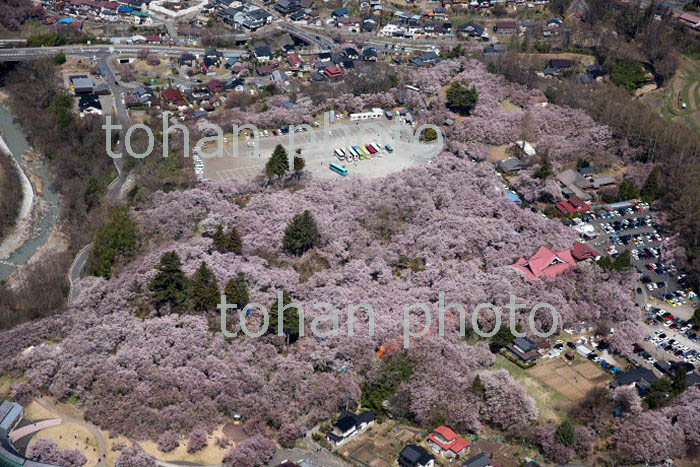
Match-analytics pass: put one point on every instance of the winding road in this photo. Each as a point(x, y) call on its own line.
point(114, 189)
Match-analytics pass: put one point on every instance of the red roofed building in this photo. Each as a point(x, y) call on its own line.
point(573, 205)
point(172, 95)
point(506, 27)
point(546, 262)
point(110, 5)
point(333, 72)
point(294, 60)
point(690, 20)
point(215, 86)
point(446, 442)
point(581, 252)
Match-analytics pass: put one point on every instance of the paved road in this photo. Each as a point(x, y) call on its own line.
point(113, 191)
point(31, 53)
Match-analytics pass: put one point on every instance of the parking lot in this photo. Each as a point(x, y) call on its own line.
point(668, 337)
point(317, 147)
point(661, 291)
point(635, 229)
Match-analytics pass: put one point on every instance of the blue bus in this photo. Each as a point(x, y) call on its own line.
point(339, 169)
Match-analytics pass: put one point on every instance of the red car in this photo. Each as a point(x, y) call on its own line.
point(649, 266)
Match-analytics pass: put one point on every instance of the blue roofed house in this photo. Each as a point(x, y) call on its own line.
point(341, 12)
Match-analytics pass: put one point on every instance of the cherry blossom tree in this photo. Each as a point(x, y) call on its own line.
point(134, 457)
point(46, 450)
point(505, 402)
point(662, 439)
point(168, 441)
point(197, 440)
point(252, 452)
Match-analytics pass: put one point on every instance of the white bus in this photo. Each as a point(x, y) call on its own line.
point(353, 153)
point(340, 154)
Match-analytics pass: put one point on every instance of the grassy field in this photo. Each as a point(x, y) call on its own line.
point(684, 88)
point(70, 435)
point(551, 404)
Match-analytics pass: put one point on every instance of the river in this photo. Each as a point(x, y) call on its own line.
point(18, 145)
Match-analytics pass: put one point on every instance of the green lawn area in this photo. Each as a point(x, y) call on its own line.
point(551, 404)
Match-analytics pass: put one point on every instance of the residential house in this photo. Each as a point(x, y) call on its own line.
point(294, 61)
point(258, 14)
point(598, 182)
point(300, 16)
point(350, 425)
point(573, 205)
point(546, 262)
point(575, 184)
point(287, 7)
point(472, 29)
point(352, 24)
point(415, 456)
point(230, 62)
point(393, 29)
point(82, 84)
point(446, 442)
point(557, 66)
point(235, 84)
point(279, 77)
point(262, 54)
point(216, 86)
point(524, 348)
point(640, 378)
point(369, 24)
point(101, 89)
point(145, 95)
point(174, 98)
point(587, 172)
point(89, 105)
point(511, 165)
point(369, 54)
point(187, 58)
point(351, 53)
point(506, 27)
point(228, 15)
point(333, 72)
point(264, 70)
point(480, 460)
point(340, 12)
point(426, 59)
